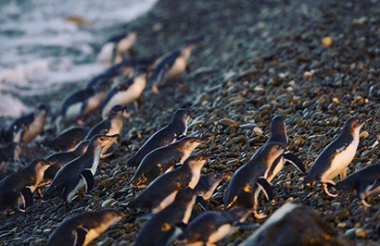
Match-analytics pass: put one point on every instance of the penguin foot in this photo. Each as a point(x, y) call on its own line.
point(326, 190)
point(365, 204)
point(259, 216)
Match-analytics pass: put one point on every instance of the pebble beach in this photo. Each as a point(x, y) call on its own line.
point(314, 62)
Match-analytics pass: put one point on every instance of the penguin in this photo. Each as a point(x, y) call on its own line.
point(116, 47)
point(245, 184)
point(163, 137)
point(82, 229)
point(336, 157)
point(163, 228)
point(206, 187)
point(17, 188)
point(26, 128)
point(366, 182)
point(110, 126)
point(79, 172)
point(163, 160)
point(81, 104)
point(207, 184)
point(61, 159)
point(162, 191)
point(126, 92)
point(123, 68)
point(279, 135)
point(68, 139)
point(172, 65)
point(212, 226)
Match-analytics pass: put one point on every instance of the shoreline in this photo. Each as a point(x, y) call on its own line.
point(256, 61)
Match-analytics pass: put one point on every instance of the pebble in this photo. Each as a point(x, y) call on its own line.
point(228, 122)
point(107, 203)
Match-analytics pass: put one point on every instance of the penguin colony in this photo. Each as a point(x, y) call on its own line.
point(168, 180)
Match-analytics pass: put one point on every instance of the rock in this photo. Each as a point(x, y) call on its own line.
point(326, 42)
point(361, 233)
point(228, 122)
point(294, 224)
point(107, 203)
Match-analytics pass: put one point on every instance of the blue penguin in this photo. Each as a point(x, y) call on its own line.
point(126, 92)
point(17, 188)
point(163, 228)
point(124, 68)
point(60, 159)
point(335, 158)
point(170, 66)
point(163, 137)
point(68, 139)
point(163, 160)
point(82, 229)
point(206, 187)
point(110, 126)
point(212, 226)
point(245, 183)
point(162, 191)
point(80, 172)
point(366, 182)
point(279, 135)
point(28, 127)
point(81, 103)
point(116, 47)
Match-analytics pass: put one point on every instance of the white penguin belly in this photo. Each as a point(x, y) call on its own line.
point(73, 111)
point(341, 160)
point(126, 43)
point(95, 163)
point(222, 232)
point(178, 67)
point(74, 191)
point(166, 202)
point(188, 211)
point(194, 180)
point(94, 102)
point(105, 55)
point(34, 129)
point(276, 170)
point(90, 236)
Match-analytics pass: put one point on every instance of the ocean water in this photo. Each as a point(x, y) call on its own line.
point(46, 42)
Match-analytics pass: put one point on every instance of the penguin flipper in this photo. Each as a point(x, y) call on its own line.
point(295, 161)
point(266, 188)
point(89, 178)
point(80, 237)
point(28, 197)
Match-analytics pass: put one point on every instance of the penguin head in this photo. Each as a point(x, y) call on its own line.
point(43, 109)
point(99, 141)
point(182, 115)
point(190, 143)
point(185, 196)
point(196, 162)
point(117, 111)
point(109, 216)
point(354, 124)
point(278, 130)
point(190, 43)
point(272, 151)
